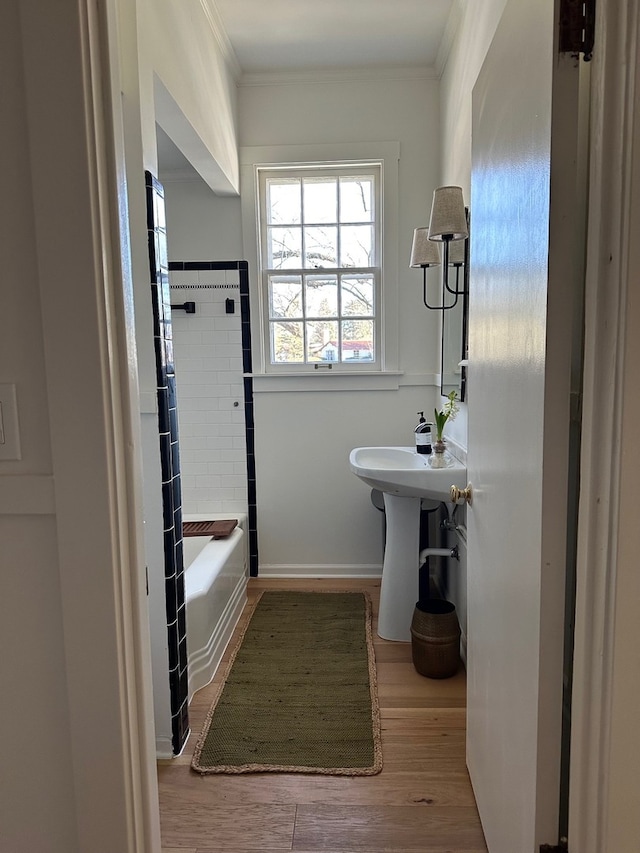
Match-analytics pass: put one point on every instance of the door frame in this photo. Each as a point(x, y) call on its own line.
point(86, 294)
point(603, 806)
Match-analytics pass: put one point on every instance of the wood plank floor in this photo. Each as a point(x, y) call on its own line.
point(422, 800)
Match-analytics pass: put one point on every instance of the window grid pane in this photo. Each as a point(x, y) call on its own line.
point(321, 296)
point(320, 247)
point(356, 199)
point(357, 295)
point(283, 201)
point(287, 343)
point(285, 297)
point(356, 245)
point(323, 342)
point(326, 224)
point(320, 197)
point(357, 340)
point(284, 247)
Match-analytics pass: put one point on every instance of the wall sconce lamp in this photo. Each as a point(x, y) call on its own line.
point(448, 224)
point(425, 254)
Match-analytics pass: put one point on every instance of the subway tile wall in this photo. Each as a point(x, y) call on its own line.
point(212, 351)
point(211, 412)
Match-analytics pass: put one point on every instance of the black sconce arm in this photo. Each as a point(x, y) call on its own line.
point(442, 307)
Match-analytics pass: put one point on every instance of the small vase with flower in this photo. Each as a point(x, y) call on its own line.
point(440, 456)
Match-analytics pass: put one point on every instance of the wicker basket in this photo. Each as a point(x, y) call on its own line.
point(435, 638)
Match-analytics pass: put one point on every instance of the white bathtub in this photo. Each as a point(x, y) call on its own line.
point(215, 592)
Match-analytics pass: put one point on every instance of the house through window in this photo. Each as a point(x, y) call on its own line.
point(321, 265)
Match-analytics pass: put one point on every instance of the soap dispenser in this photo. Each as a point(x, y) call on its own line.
point(423, 435)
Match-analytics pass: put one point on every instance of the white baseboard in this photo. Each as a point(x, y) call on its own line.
point(164, 747)
point(312, 570)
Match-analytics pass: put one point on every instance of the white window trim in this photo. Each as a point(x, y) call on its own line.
point(386, 153)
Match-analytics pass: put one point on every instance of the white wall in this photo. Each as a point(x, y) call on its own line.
point(477, 25)
point(193, 88)
point(313, 513)
point(475, 31)
point(201, 226)
point(33, 665)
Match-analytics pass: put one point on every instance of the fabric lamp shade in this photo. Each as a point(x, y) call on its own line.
point(424, 252)
point(448, 220)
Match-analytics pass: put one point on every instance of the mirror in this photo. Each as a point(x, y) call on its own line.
point(453, 375)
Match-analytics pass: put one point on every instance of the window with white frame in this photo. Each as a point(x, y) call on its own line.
point(320, 255)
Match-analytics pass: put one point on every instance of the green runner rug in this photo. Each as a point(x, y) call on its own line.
point(300, 695)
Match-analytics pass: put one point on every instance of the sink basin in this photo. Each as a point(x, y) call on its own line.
point(402, 471)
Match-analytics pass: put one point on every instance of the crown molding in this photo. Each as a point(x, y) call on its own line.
point(217, 27)
point(453, 22)
point(338, 75)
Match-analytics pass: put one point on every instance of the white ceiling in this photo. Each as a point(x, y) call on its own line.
point(318, 36)
point(286, 35)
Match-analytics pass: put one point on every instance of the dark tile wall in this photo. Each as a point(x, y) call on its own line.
point(243, 271)
point(247, 365)
point(170, 462)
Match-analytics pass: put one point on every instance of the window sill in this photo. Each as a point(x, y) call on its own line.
point(388, 380)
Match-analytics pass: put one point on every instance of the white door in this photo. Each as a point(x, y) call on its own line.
point(521, 315)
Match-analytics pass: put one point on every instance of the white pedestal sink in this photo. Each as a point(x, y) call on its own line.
point(404, 477)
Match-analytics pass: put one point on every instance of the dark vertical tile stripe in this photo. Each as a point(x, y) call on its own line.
point(171, 387)
point(156, 310)
point(174, 684)
point(168, 438)
point(172, 632)
point(167, 505)
point(247, 365)
point(173, 419)
point(170, 597)
point(175, 457)
point(165, 456)
point(161, 369)
point(253, 559)
point(182, 623)
point(163, 409)
point(245, 332)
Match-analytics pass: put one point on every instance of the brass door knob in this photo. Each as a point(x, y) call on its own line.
point(461, 496)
